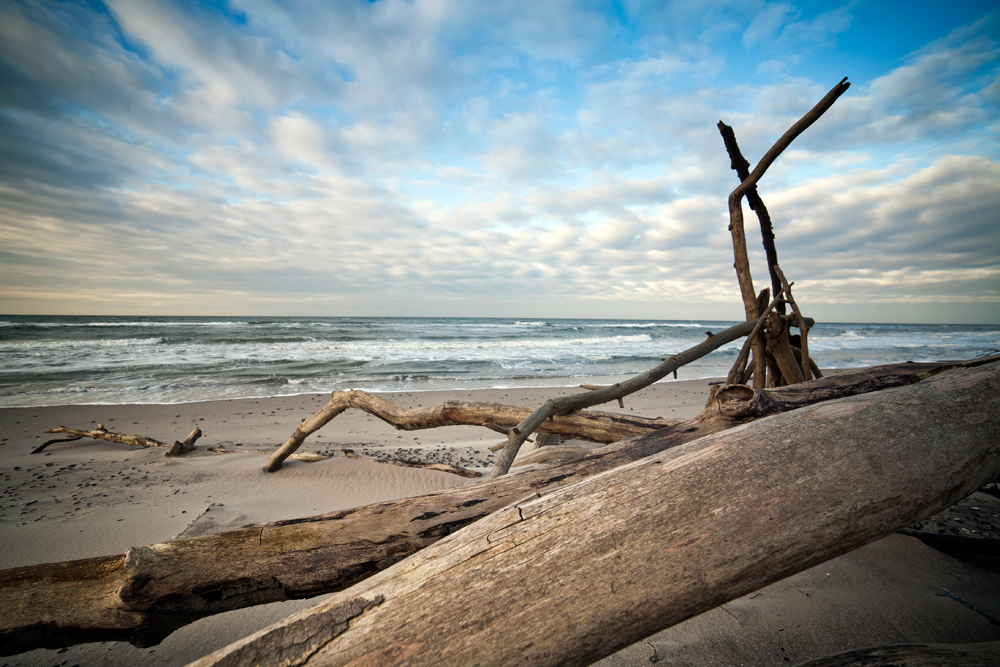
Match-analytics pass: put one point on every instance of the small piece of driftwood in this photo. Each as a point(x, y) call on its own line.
point(101, 433)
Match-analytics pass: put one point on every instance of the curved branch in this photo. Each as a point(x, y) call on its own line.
point(603, 427)
point(567, 404)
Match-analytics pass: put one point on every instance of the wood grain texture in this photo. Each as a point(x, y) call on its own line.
point(578, 573)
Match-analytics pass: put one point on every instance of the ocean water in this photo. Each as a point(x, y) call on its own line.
point(46, 360)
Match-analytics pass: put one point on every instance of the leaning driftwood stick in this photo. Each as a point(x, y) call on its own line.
point(568, 404)
point(741, 358)
point(736, 227)
point(583, 571)
point(604, 427)
point(151, 591)
point(100, 433)
point(443, 467)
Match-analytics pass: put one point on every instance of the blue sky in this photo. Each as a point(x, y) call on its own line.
point(447, 157)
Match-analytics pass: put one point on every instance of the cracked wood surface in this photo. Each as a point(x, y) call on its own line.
point(145, 594)
point(578, 573)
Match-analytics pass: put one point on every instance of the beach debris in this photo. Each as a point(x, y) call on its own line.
point(594, 426)
point(175, 583)
point(572, 575)
point(101, 433)
point(777, 338)
point(443, 467)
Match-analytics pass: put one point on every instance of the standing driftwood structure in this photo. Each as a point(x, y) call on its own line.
point(149, 591)
point(567, 577)
point(748, 188)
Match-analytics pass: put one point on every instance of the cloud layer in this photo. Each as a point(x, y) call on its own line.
point(440, 157)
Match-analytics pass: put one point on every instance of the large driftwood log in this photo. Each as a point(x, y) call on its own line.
point(150, 591)
point(576, 574)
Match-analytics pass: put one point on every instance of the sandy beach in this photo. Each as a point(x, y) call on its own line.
point(91, 498)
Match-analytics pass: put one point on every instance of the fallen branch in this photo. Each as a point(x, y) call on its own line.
point(579, 573)
point(145, 595)
point(568, 404)
point(603, 427)
point(101, 433)
point(741, 358)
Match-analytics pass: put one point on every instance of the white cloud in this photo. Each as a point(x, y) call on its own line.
point(436, 158)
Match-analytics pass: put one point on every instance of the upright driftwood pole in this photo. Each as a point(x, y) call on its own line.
point(741, 166)
point(574, 575)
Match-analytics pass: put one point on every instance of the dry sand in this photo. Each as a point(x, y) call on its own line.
point(91, 498)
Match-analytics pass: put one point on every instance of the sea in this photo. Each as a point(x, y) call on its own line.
point(48, 360)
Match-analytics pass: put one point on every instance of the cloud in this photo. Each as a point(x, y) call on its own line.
point(431, 157)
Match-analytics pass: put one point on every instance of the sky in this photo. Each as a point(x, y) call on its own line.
point(494, 159)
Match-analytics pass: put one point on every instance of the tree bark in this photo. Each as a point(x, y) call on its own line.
point(145, 594)
point(779, 347)
point(579, 573)
point(803, 325)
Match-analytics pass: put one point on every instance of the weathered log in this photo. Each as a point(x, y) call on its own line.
point(101, 433)
point(595, 426)
point(144, 595)
point(583, 571)
point(984, 654)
